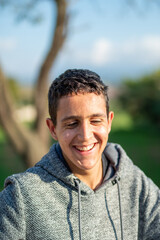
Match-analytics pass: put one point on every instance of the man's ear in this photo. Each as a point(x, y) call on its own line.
point(51, 128)
point(110, 118)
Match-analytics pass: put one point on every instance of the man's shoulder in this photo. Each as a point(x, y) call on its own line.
point(118, 156)
point(126, 167)
point(39, 175)
point(130, 173)
point(27, 177)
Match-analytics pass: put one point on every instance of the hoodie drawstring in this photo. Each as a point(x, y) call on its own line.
point(79, 208)
point(116, 181)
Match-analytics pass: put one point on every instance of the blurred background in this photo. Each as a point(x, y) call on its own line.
point(40, 39)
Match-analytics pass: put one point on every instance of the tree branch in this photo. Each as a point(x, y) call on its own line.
point(58, 38)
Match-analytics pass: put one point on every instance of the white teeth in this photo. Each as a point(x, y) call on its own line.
point(85, 148)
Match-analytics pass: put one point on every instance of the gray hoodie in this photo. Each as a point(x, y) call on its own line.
point(49, 202)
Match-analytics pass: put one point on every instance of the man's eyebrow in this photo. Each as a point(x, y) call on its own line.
point(70, 118)
point(78, 117)
point(98, 115)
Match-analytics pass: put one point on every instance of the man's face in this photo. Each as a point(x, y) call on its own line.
point(82, 130)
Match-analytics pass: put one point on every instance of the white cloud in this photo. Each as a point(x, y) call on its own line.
point(151, 45)
point(101, 51)
point(98, 53)
point(7, 44)
point(131, 56)
point(143, 51)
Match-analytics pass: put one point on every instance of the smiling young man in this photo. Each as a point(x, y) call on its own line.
point(84, 187)
point(82, 130)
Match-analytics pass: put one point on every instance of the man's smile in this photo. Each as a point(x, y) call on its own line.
point(85, 148)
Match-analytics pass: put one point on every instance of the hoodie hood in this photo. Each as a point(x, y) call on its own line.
point(54, 163)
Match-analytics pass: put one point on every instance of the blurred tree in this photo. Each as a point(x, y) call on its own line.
point(141, 98)
point(32, 145)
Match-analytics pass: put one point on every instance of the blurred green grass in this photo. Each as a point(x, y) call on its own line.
point(141, 144)
point(10, 162)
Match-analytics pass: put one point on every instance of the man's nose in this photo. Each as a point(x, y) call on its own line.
point(85, 131)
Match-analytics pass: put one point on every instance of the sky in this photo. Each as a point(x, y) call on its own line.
point(116, 39)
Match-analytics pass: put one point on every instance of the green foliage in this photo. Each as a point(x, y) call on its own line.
point(122, 121)
point(20, 95)
point(141, 98)
point(14, 89)
point(26, 96)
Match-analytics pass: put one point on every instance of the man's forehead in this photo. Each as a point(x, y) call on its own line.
point(81, 105)
point(77, 96)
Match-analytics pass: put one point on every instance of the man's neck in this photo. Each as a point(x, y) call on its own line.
point(93, 178)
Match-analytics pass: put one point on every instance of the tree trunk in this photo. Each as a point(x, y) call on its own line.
point(26, 143)
point(59, 34)
point(33, 145)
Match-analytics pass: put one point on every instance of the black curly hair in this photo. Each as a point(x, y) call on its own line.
point(74, 81)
